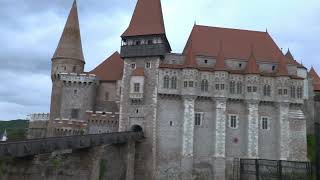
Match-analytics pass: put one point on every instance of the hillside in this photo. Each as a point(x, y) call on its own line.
point(16, 129)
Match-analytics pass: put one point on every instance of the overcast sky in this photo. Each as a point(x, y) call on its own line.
point(30, 31)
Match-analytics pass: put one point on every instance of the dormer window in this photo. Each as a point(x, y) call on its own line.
point(273, 67)
point(206, 61)
point(240, 65)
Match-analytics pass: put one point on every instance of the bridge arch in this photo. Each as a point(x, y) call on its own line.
point(136, 128)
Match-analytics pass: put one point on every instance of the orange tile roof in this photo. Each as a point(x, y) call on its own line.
point(190, 57)
point(220, 61)
point(315, 79)
point(111, 69)
point(252, 66)
point(138, 72)
point(236, 43)
point(282, 67)
point(70, 45)
point(147, 19)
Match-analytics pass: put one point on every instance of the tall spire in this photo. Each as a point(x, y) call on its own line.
point(252, 66)
point(220, 64)
point(282, 68)
point(147, 19)
point(70, 46)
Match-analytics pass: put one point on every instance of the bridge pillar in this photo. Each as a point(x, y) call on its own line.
point(131, 150)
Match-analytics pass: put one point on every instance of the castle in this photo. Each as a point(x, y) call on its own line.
point(230, 94)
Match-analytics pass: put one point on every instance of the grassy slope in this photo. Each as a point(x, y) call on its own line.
point(16, 129)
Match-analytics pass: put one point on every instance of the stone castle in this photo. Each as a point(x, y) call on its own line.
point(230, 94)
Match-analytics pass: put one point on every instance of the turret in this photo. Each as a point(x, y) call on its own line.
point(220, 74)
point(283, 79)
point(146, 34)
point(252, 77)
point(68, 57)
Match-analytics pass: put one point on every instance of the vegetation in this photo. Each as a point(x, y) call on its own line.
point(103, 168)
point(16, 129)
point(312, 148)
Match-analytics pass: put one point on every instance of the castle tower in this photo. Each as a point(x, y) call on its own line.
point(144, 45)
point(72, 90)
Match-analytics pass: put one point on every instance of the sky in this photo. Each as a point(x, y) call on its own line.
point(30, 31)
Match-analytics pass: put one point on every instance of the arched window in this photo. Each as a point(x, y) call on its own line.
point(166, 82)
point(299, 92)
point(232, 87)
point(293, 92)
point(239, 87)
point(204, 85)
point(174, 82)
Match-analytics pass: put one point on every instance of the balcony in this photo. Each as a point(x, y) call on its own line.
point(136, 95)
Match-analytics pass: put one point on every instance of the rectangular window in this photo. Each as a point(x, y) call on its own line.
point(264, 123)
point(74, 113)
point(148, 65)
point(133, 66)
point(254, 89)
point(190, 83)
point(136, 87)
point(285, 91)
point(249, 88)
point(185, 84)
point(217, 86)
point(280, 91)
point(197, 119)
point(299, 92)
point(233, 121)
point(222, 86)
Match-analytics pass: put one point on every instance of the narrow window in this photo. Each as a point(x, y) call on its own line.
point(106, 96)
point(75, 91)
point(233, 121)
point(254, 89)
point(232, 87)
point(239, 87)
point(264, 123)
point(170, 123)
point(293, 92)
point(136, 87)
point(299, 92)
point(240, 65)
point(280, 91)
point(74, 69)
point(185, 84)
point(74, 113)
point(166, 82)
point(222, 86)
point(197, 119)
point(217, 86)
point(204, 85)
point(206, 61)
point(285, 91)
point(174, 82)
point(190, 83)
point(148, 65)
point(133, 66)
point(273, 68)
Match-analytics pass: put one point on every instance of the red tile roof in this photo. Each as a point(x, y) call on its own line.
point(315, 79)
point(220, 61)
point(70, 45)
point(190, 57)
point(282, 67)
point(138, 72)
point(147, 19)
point(111, 69)
point(236, 43)
point(252, 66)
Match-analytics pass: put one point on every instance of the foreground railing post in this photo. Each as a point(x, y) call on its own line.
point(257, 169)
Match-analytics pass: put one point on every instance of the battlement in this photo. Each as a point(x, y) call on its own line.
point(103, 117)
point(70, 123)
point(39, 117)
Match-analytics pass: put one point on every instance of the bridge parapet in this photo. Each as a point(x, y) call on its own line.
point(48, 145)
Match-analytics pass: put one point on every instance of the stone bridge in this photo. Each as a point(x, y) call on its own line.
point(84, 157)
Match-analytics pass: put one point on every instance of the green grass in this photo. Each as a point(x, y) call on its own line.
point(16, 129)
point(311, 139)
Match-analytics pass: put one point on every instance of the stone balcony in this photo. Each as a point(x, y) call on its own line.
point(136, 95)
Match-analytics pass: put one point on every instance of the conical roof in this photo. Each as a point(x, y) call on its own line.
point(147, 19)
point(282, 67)
point(70, 46)
point(252, 66)
point(220, 61)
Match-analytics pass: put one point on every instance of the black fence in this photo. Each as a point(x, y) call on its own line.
point(317, 132)
point(261, 169)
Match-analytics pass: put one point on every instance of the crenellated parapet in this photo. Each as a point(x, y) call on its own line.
point(74, 78)
point(39, 117)
point(102, 122)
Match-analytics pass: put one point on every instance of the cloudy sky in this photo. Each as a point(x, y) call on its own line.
point(30, 30)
